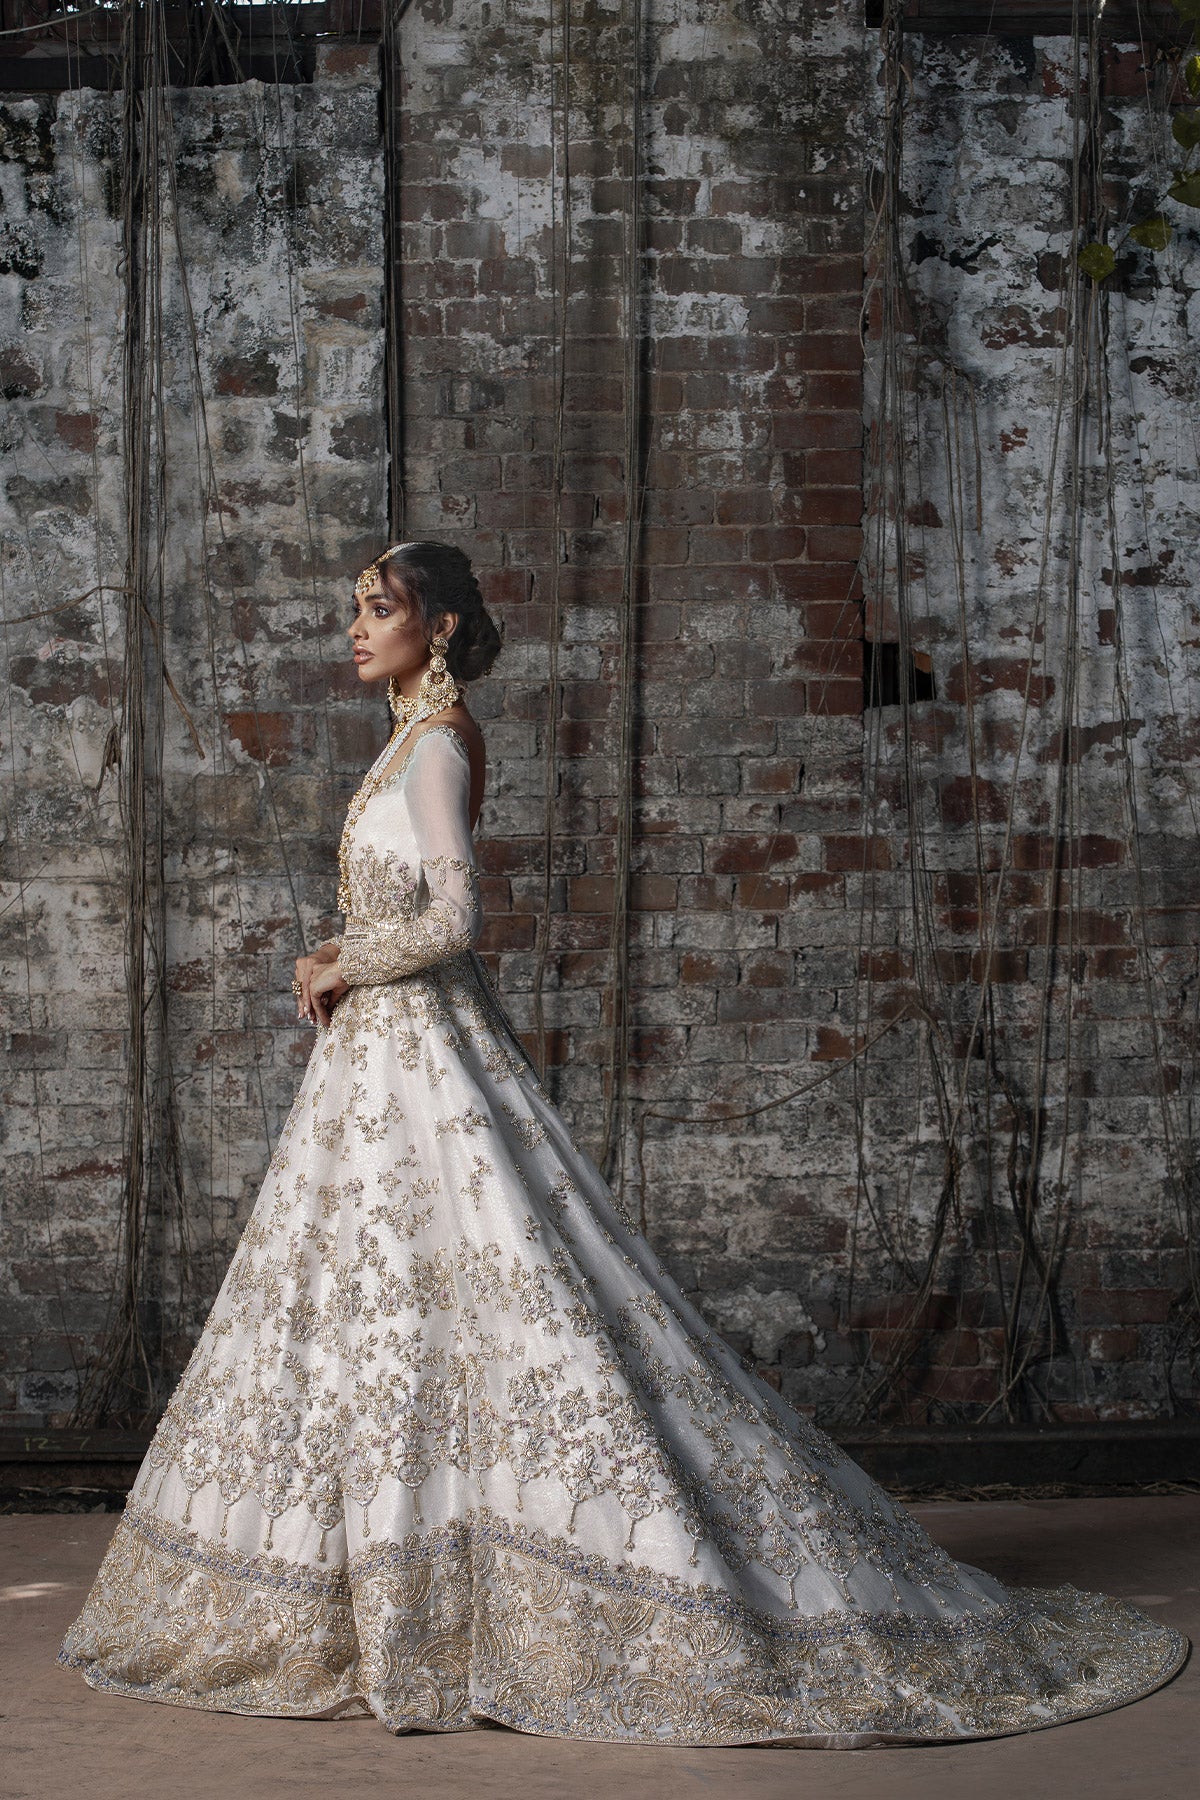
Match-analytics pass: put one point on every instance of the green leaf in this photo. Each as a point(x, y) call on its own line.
point(1097, 260)
point(1191, 74)
point(1186, 189)
point(1152, 234)
point(1185, 129)
point(1187, 9)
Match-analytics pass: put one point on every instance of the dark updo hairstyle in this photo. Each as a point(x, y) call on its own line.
point(437, 578)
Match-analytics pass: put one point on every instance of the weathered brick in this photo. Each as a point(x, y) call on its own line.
point(1128, 1306)
point(762, 908)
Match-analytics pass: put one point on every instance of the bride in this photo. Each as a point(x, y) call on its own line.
point(453, 1447)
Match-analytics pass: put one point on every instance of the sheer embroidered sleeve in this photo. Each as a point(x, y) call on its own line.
point(447, 918)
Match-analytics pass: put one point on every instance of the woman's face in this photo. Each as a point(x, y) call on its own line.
point(388, 638)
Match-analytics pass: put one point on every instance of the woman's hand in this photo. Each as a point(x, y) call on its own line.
point(325, 989)
point(307, 968)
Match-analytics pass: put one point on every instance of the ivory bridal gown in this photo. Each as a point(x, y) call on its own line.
point(454, 1448)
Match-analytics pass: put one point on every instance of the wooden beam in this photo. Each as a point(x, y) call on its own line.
point(271, 44)
point(47, 25)
point(1127, 21)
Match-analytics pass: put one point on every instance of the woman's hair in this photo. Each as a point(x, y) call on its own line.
point(437, 578)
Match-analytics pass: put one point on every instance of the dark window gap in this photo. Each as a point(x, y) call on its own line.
point(882, 666)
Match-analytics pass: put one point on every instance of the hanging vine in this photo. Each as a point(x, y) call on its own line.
point(1151, 227)
point(991, 1183)
point(157, 1271)
point(121, 1383)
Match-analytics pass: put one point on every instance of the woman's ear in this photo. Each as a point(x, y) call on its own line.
point(445, 625)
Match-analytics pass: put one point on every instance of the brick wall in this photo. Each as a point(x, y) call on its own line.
point(1051, 825)
point(776, 922)
point(748, 763)
point(275, 486)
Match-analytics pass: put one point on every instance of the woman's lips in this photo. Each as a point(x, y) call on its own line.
point(362, 655)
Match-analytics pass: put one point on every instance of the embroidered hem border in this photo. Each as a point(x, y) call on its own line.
point(482, 1620)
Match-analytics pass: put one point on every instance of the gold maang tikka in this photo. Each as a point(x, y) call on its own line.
point(367, 579)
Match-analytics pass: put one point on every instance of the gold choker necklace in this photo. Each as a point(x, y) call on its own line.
point(403, 709)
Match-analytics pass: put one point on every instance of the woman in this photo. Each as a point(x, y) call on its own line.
point(454, 1448)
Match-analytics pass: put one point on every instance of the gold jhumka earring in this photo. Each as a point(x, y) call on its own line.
point(438, 687)
point(437, 691)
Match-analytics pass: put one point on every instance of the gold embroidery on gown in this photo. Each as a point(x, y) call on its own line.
point(454, 1448)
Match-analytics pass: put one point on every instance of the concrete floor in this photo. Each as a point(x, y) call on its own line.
point(61, 1741)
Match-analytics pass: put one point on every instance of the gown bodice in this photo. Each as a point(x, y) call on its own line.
point(409, 885)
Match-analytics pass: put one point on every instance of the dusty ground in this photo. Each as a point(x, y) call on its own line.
point(60, 1740)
